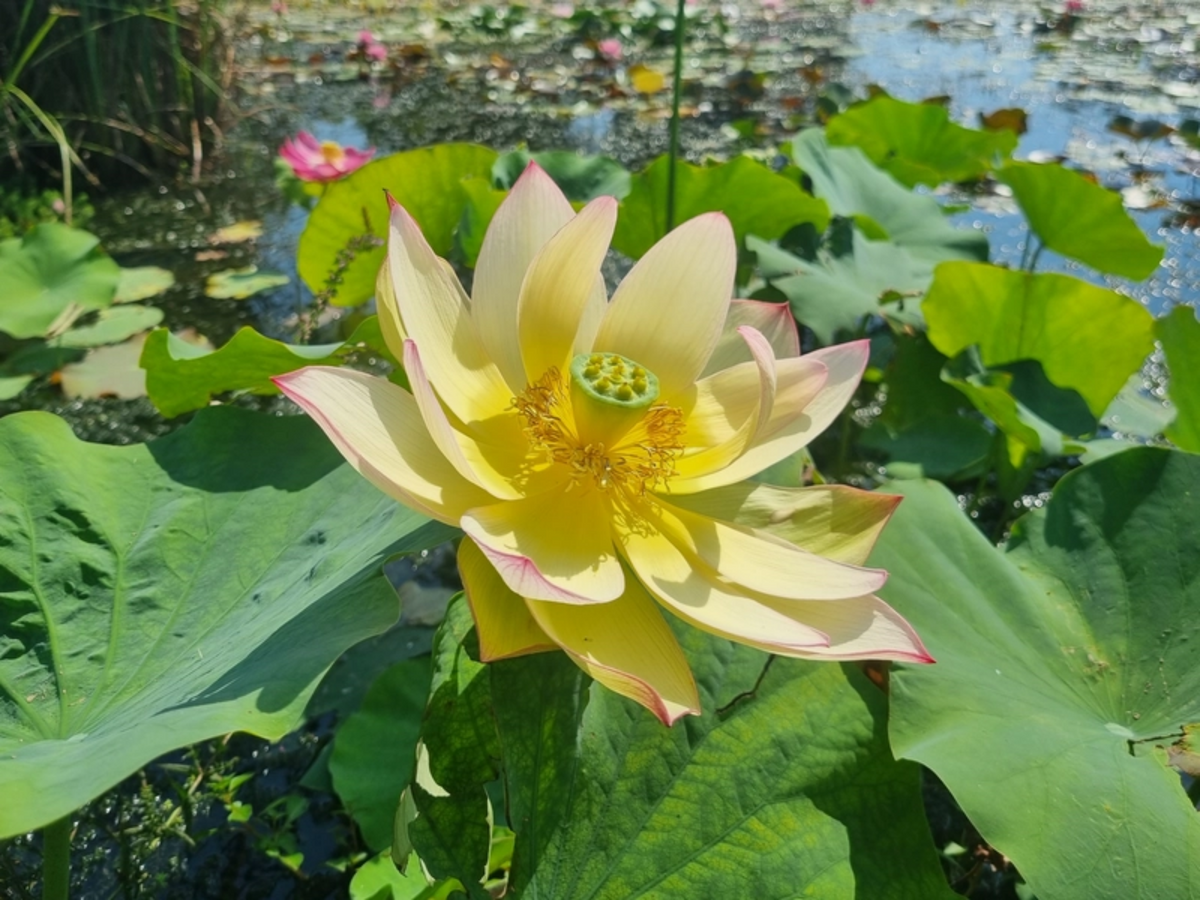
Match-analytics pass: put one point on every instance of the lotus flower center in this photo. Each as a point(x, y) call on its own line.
point(332, 151)
point(603, 424)
point(611, 379)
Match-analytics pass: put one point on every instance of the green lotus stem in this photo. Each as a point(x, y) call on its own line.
point(676, 90)
point(56, 860)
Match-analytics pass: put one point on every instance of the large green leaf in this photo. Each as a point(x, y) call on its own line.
point(1078, 218)
point(426, 182)
point(181, 376)
point(917, 143)
point(1001, 395)
point(1066, 669)
point(1180, 336)
point(452, 830)
point(853, 187)
point(373, 751)
point(756, 200)
point(926, 427)
point(1086, 337)
point(160, 594)
point(581, 178)
point(49, 271)
point(834, 293)
point(784, 790)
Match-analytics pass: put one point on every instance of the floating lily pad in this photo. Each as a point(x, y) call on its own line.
point(142, 283)
point(755, 199)
point(1066, 671)
point(238, 284)
point(1078, 218)
point(111, 326)
point(426, 182)
point(174, 591)
point(237, 233)
point(1086, 337)
point(107, 372)
point(49, 276)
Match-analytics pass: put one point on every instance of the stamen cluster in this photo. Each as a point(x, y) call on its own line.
point(642, 459)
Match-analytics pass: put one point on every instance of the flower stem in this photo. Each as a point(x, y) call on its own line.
point(56, 860)
point(676, 90)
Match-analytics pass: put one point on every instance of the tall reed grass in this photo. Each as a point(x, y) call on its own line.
point(111, 87)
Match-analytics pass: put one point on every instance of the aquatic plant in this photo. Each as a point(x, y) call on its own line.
point(133, 89)
point(313, 160)
point(600, 446)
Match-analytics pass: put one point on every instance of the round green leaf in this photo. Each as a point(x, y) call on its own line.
point(1066, 672)
point(853, 187)
point(1086, 337)
point(161, 594)
point(581, 178)
point(49, 271)
point(917, 143)
point(238, 284)
point(111, 326)
point(834, 293)
point(1080, 219)
point(142, 283)
point(756, 200)
point(107, 372)
point(426, 182)
point(373, 752)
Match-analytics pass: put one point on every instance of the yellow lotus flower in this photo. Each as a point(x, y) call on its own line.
point(595, 452)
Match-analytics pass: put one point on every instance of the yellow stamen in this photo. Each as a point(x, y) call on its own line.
point(332, 151)
point(642, 460)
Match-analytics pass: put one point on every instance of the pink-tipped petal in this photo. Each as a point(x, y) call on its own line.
point(551, 547)
point(796, 419)
point(626, 646)
point(860, 628)
point(436, 316)
point(702, 601)
point(758, 561)
point(378, 429)
point(833, 520)
point(668, 312)
point(724, 413)
point(502, 620)
point(773, 320)
point(460, 450)
point(530, 215)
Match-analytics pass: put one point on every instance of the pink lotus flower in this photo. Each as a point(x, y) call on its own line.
point(313, 160)
point(609, 49)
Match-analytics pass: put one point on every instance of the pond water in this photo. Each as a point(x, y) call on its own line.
point(533, 86)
